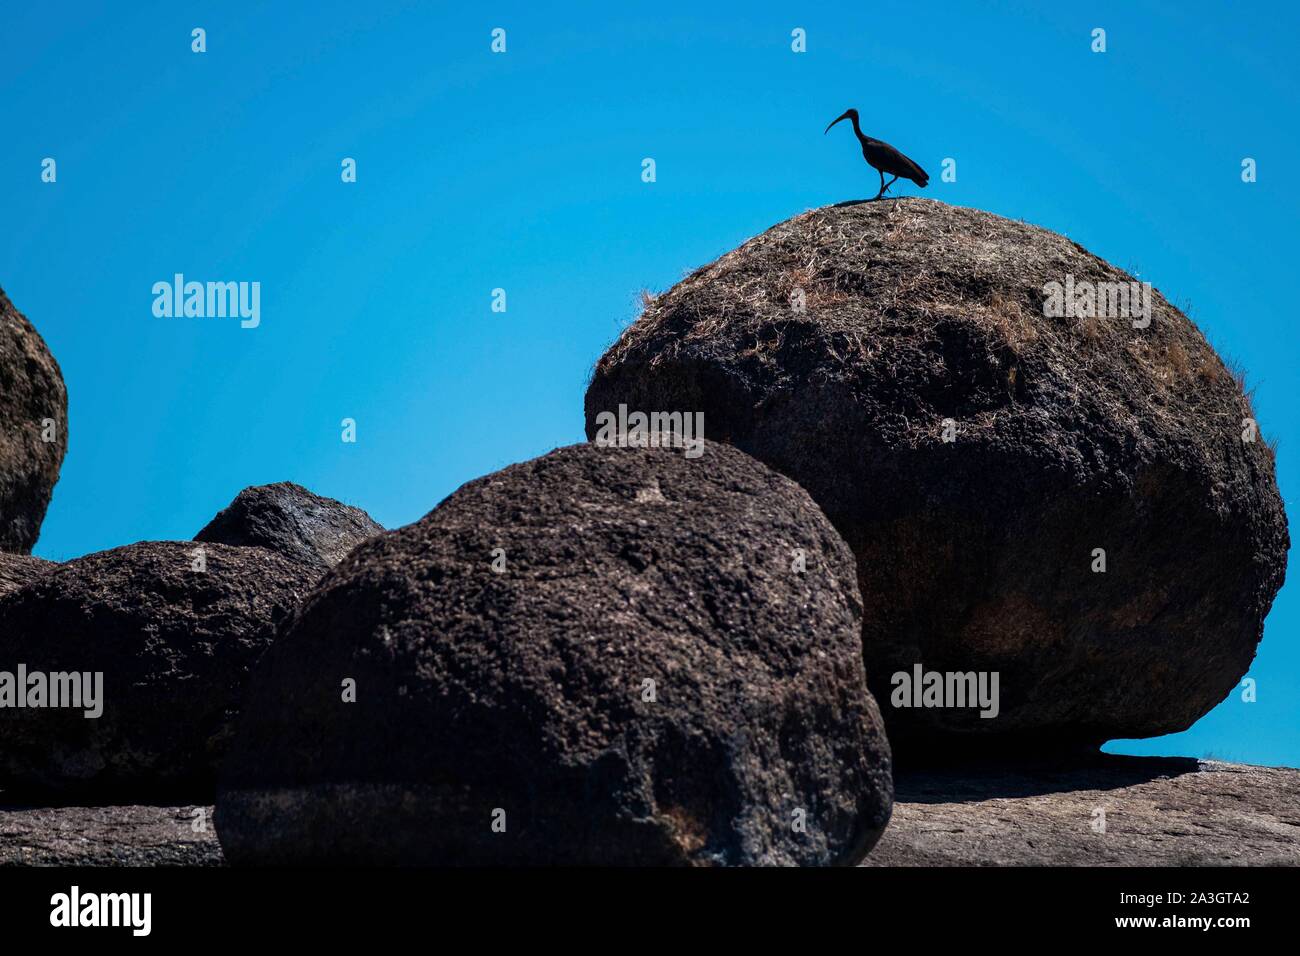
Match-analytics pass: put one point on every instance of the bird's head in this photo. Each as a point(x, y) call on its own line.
point(847, 114)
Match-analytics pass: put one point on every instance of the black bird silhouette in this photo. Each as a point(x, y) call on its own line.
point(884, 158)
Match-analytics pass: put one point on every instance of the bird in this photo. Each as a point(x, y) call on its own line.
point(884, 158)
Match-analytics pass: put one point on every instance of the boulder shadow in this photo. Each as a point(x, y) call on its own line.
point(860, 202)
point(973, 781)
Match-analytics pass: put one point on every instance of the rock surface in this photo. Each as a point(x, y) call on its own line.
point(528, 690)
point(174, 646)
point(130, 835)
point(1158, 811)
point(17, 570)
point(290, 520)
point(838, 346)
point(31, 391)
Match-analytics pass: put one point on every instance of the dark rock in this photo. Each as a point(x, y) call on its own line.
point(128, 835)
point(174, 646)
point(17, 570)
point(290, 520)
point(524, 690)
point(1108, 811)
point(1072, 434)
point(31, 392)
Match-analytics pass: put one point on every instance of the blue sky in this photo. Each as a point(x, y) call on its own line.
point(521, 171)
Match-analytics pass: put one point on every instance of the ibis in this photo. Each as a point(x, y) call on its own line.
point(884, 158)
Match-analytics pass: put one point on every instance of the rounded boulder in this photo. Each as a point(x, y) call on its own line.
point(601, 656)
point(1048, 477)
point(33, 429)
point(292, 521)
point(121, 672)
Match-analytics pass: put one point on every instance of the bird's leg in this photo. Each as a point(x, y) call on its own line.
point(885, 185)
point(882, 186)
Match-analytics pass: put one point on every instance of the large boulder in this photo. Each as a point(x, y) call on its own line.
point(17, 570)
point(603, 655)
point(172, 629)
point(33, 429)
point(290, 520)
point(1057, 498)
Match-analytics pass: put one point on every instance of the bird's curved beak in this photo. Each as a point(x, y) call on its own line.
point(841, 117)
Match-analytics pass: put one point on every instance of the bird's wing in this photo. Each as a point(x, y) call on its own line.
point(900, 165)
point(906, 167)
